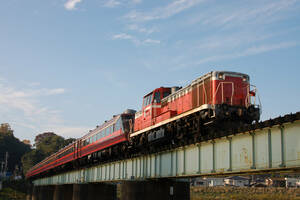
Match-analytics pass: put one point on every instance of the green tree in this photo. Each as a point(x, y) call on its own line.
point(51, 144)
point(31, 158)
point(15, 148)
point(46, 144)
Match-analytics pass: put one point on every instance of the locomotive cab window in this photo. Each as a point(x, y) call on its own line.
point(166, 93)
point(157, 97)
point(148, 100)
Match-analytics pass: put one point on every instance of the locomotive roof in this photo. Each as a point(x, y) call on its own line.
point(201, 78)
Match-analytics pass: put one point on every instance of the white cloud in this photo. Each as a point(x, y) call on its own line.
point(135, 27)
point(29, 126)
point(136, 1)
point(255, 12)
point(125, 36)
point(55, 91)
point(265, 48)
point(151, 41)
point(26, 100)
point(231, 41)
point(163, 12)
point(70, 131)
point(243, 52)
point(24, 108)
point(33, 84)
point(112, 3)
point(248, 52)
point(71, 4)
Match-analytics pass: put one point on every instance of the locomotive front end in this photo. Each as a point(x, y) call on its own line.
point(234, 98)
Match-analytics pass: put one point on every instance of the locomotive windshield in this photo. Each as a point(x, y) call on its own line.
point(147, 100)
point(157, 97)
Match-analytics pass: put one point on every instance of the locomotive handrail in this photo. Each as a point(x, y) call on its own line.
point(258, 98)
point(204, 92)
point(222, 83)
point(232, 93)
point(248, 97)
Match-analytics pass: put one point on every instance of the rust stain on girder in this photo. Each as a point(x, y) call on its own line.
point(244, 157)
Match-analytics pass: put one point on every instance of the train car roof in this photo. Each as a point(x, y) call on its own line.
point(98, 128)
point(101, 127)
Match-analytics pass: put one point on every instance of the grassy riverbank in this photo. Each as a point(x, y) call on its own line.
point(238, 193)
point(11, 194)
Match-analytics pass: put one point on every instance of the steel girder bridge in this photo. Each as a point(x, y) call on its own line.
point(269, 146)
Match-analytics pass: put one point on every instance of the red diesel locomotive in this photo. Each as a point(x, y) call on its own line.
point(213, 98)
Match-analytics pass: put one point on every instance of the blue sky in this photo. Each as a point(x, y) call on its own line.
point(68, 65)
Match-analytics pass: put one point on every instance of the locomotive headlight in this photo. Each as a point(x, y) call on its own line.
point(221, 76)
point(245, 78)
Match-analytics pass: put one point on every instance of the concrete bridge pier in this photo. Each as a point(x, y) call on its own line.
point(45, 192)
point(158, 190)
point(35, 193)
point(103, 191)
point(63, 192)
point(80, 191)
point(29, 192)
point(93, 191)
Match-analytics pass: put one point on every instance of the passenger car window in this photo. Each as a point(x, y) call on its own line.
point(109, 128)
point(118, 124)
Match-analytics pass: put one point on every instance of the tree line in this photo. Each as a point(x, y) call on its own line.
point(21, 155)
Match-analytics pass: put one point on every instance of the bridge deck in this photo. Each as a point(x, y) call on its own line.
point(269, 149)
